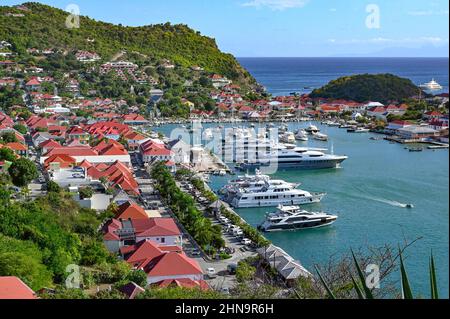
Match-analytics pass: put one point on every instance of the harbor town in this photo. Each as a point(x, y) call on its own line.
point(158, 176)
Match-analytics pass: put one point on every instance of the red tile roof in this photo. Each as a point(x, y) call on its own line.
point(183, 283)
point(156, 227)
point(131, 210)
point(172, 264)
point(14, 288)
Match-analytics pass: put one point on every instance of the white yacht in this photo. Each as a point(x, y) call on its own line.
point(311, 129)
point(208, 134)
point(362, 130)
point(273, 195)
point(432, 85)
point(252, 183)
point(320, 137)
point(296, 158)
point(301, 135)
point(293, 218)
point(287, 137)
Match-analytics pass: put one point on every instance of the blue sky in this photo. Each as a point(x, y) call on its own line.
point(292, 27)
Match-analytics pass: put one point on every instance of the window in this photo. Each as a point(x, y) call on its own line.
point(163, 240)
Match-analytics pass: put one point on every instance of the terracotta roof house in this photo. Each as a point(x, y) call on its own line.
point(117, 174)
point(105, 153)
point(160, 263)
point(58, 161)
point(18, 148)
point(183, 283)
point(119, 233)
point(153, 150)
point(48, 145)
point(131, 290)
point(131, 210)
point(14, 288)
point(134, 119)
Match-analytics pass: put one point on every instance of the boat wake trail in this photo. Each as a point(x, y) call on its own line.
point(387, 201)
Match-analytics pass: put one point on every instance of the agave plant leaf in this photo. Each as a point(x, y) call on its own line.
point(357, 288)
point(329, 292)
point(406, 288)
point(367, 291)
point(433, 281)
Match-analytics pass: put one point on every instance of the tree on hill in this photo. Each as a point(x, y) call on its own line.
point(382, 88)
point(22, 172)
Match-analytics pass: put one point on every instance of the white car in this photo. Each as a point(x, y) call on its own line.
point(246, 241)
point(211, 273)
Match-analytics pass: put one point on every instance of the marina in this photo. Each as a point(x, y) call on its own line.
point(371, 193)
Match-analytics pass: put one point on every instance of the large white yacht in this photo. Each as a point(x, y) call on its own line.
point(272, 195)
point(252, 183)
point(295, 158)
point(293, 218)
point(432, 85)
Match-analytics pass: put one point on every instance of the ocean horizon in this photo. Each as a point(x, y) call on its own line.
point(285, 75)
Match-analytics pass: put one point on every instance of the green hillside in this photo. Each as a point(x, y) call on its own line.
point(44, 27)
point(368, 87)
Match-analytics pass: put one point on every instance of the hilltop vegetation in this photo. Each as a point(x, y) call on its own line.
point(44, 27)
point(368, 87)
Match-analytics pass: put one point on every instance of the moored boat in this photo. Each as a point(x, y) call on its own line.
point(293, 218)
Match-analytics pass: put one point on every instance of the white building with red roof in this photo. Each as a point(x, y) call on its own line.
point(164, 264)
point(154, 150)
point(120, 233)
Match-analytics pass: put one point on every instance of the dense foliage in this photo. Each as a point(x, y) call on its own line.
point(368, 87)
point(208, 236)
point(178, 43)
point(39, 239)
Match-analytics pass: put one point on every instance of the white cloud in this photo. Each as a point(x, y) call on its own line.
point(405, 41)
point(276, 4)
point(428, 13)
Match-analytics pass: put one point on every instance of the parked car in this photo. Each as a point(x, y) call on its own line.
point(225, 290)
point(77, 175)
point(231, 268)
point(211, 273)
point(246, 241)
point(195, 252)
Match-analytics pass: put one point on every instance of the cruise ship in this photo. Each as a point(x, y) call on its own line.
point(293, 218)
point(432, 86)
point(271, 195)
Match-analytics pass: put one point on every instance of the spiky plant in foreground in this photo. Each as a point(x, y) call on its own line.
point(364, 292)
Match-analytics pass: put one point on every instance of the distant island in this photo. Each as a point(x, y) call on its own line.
point(383, 88)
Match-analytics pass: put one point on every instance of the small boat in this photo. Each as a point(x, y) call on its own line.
point(410, 206)
point(301, 135)
point(283, 129)
point(416, 149)
point(287, 137)
point(320, 137)
point(362, 130)
point(311, 129)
